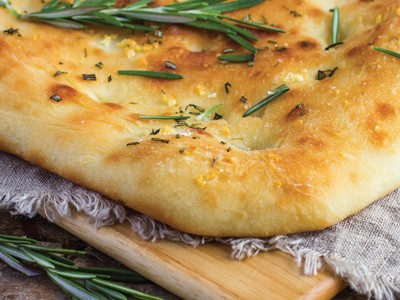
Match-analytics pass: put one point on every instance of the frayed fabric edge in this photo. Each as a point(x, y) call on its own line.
point(358, 277)
point(102, 212)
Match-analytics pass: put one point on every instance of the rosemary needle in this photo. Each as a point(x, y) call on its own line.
point(335, 25)
point(208, 112)
point(234, 5)
point(386, 51)
point(279, 91)
point(241, 57)
point(164, 117)
point(153, 74)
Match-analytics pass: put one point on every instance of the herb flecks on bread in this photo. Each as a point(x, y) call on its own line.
point(184, 151)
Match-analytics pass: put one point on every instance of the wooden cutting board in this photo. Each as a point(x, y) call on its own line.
point(206, 272)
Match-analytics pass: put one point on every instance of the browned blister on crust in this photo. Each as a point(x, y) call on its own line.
point(314, 156)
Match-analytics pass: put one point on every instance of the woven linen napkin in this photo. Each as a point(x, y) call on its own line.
point(363, 249)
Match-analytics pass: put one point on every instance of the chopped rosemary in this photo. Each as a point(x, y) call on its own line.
point(12, 31)
point(160, 140)
point(280, 48)
point(335, 25)
point(192, 126)
point(279, 91)
point(56, 98)
point(386, 51)
point(243, 99)
point(207, 112)
point(227, 86)
point(217, 117)
point(109, 79)
point(58, 73)
point(91, 77)
point(322, 74)
point(214, 161)
point(295, 13)
point(100, 65)
point(160, 75)
point(197, 107)
point(133, 144)
point(334, 45)
point(155, 131)
point(208, 15)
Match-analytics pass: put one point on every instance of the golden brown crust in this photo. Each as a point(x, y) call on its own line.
point(316, 155)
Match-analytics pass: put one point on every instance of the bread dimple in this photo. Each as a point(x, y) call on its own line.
point(314, 156)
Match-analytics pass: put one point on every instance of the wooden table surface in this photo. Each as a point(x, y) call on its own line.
point(14, 285)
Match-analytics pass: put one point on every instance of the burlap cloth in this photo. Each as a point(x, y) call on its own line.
point(363, 249)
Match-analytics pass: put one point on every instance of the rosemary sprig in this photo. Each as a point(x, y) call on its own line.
point(387, 51)
point(28, 257)
point(206, 14)
point(279, 91)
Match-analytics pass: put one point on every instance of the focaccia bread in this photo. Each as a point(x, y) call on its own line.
point(314, 156)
